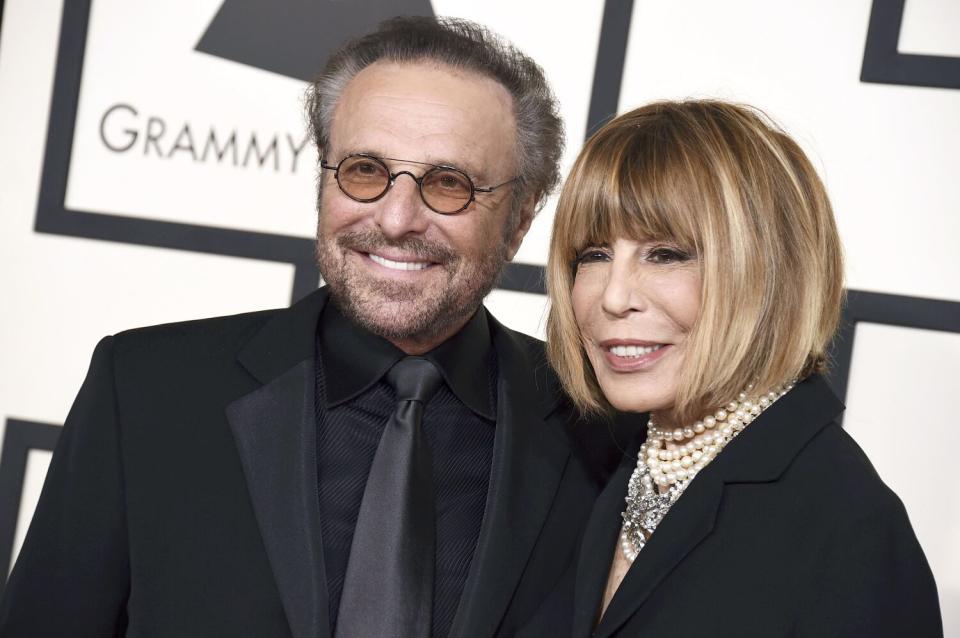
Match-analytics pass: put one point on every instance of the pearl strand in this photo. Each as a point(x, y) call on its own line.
point(669, 459)
point(704, 439)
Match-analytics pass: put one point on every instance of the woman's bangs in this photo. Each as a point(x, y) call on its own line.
point(656, 207)
point(641, 202)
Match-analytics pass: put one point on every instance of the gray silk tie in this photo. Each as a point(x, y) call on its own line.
point(388, 589)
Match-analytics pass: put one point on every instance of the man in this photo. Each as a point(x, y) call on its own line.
point(381, 459)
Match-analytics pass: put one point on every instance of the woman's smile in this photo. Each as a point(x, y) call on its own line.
point(626, 355)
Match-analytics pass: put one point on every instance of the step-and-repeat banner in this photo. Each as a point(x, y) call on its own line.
point(156, 167)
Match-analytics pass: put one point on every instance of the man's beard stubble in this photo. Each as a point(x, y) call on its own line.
point(414, 315)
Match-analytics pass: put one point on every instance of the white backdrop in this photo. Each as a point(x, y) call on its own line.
point(148, 213)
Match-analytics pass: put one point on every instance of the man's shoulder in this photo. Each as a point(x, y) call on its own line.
point(597, 441)
point(520, 344)
point(525, 354)
point(207, 336)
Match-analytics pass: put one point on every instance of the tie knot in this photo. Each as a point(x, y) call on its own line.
point(414, 379)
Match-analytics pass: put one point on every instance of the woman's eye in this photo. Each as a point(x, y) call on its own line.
point(664, 255)
point(591, 255)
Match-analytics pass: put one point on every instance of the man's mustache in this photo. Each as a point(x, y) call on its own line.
point(367, 241)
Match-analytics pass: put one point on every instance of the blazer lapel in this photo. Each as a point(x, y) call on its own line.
point(275, 431)
point(599, 537)
point(528, 461)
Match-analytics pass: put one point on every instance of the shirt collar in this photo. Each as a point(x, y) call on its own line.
point(464, 361)
point(353, 359)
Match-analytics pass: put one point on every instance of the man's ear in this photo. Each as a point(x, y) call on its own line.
point(527, 210)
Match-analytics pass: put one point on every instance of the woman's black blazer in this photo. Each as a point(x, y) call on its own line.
point(788, 532)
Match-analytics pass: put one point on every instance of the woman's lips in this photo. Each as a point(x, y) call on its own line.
point(629, 355)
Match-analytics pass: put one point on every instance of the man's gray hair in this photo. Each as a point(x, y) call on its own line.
point(460, 44)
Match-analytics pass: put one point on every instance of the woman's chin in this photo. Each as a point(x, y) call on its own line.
point(629, 402)
point(650, 389)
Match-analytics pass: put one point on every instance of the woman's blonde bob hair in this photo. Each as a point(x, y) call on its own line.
point(725, 183)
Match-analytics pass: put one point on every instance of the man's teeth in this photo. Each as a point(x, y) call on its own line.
point(633, 351)
point(399, 265)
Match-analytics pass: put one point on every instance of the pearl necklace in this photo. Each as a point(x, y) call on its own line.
point(673, 467)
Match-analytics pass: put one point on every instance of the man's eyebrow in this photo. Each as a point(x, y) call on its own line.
point(474, 172)
point(358, 151)
point(469, 169)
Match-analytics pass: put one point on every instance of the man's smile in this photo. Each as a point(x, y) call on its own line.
point(398, 265)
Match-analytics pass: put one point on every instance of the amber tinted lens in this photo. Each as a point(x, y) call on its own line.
point(363, 178)
point(446, 190)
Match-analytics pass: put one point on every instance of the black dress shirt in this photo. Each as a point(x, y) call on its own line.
point(353, 405)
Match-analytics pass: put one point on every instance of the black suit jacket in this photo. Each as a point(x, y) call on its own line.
point(182, 497)
point(788, 532)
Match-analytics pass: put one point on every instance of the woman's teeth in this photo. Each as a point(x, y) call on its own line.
point(398, 265)
point(633, 352)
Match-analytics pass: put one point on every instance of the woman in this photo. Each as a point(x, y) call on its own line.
point(696, 274)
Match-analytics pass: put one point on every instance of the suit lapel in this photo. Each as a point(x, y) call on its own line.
point(599, 537)
point(528, 461)
point(275, 431)
point(761, 454)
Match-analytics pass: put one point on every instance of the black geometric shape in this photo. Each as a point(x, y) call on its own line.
point(608, 70)
point(523, 278)
point(886, 309)
point(884, 64)
point(19, 438)
point(294, 37)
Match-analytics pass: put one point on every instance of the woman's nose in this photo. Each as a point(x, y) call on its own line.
point(623, 292)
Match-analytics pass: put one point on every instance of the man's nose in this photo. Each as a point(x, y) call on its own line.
point(401, 210)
